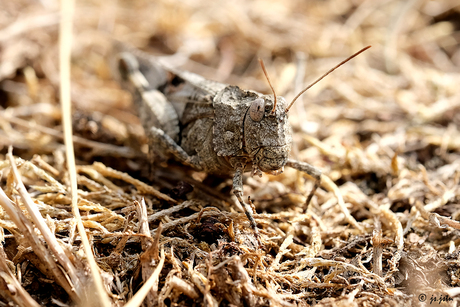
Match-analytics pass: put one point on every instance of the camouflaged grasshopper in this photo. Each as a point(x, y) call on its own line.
point(210, 126)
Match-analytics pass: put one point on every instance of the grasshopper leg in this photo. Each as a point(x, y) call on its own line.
point(310, 170)
point(238, 191)
point(159, 139)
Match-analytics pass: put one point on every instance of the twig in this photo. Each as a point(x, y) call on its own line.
point(10, 285)
point(151, 282)
point(26, 24)
point(65, 44)
point(27, 230)
point(332, 187)
point(170, 211)
point(100, 148)
point(436, 219)
point(41, 224)
point(184, 287)
point(142, 187)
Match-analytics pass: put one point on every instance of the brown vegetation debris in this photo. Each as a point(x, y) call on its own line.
point(383, 230)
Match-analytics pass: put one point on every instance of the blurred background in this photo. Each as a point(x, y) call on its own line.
point(409, 76)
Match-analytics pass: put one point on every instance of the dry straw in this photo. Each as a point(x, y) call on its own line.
point(383, 128)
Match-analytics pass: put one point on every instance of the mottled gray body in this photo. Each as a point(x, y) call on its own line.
point(213, 127)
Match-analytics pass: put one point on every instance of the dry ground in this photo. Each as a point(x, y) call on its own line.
point(384, 128)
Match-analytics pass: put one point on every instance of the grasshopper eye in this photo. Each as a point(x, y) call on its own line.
point(257, 110)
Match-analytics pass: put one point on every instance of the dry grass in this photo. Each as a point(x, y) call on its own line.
point(383, 127)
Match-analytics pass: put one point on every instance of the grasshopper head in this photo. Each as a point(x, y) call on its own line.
point(267, 134)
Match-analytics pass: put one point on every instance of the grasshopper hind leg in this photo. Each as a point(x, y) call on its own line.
point(163, 145)
point(310, 170)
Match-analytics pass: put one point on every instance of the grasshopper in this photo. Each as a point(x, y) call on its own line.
point(211, 126)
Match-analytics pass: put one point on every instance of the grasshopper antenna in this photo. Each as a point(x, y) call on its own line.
point(321, 78)
point(269, 83)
